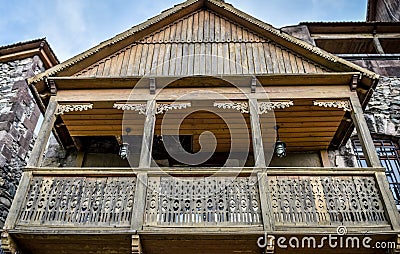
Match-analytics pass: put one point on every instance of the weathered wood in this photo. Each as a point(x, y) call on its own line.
point(148, 133)
point(325, 158)
point(378, 45)
point(265, 201)
point(140, 202)
point(258, 147)
point(388, 200)
point(363, 133)
point(18, 201)
point(44, 134)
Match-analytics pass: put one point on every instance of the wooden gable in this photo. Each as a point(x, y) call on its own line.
point(202, 43)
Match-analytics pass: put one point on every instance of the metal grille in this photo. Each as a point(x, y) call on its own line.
point(388, 153)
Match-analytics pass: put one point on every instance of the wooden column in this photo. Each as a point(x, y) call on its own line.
point(258, 147)
point(139, 202)
point(378, 46)
point(388, 200)
point(18, 201)
point(266, 209)
point(36, 157)
point(148, 134)
point(363, 133)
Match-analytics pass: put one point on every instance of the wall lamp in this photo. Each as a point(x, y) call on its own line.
point(124, 147)
point(280, 146)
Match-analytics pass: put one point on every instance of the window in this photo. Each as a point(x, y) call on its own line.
point(388, 153)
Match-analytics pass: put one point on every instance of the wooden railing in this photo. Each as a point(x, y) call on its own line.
point(271, 199)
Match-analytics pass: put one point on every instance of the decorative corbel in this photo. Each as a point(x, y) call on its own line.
point(243, 107)
point(139, 107)
point(164, 107)
point(152, 85)
point(270, 249)
point(7, 244)
point(51, 85)
point(65, 108)
point(340, 104)
point(354, 82)
point(136, 245)
point(266, 106)
point(397, 248)
point(253, 85)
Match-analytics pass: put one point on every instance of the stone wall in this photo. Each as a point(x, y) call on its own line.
point(19, 115)
point(383, 118)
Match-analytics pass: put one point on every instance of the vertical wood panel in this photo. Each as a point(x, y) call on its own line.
point(142, 64)
point(132, 58)
point(272, 65)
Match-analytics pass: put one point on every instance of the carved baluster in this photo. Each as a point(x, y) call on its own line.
point(222, 205)
point(130, 198)
point(198, 200)
point(106, 213)
point(254, 210)
point(322, 217)
point(33, 196)
point(275, 198)
point(166, 200)
point(40, 215)
point(153, 202)
point(210, 199)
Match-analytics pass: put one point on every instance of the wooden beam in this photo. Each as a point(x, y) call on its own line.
point(378, 46)
point(325, 158)
point(266, 92)
point(363, 133)
point(349, 36)
point(148, 134)
point(139, 202)
point(258, 147)
point(44, 134)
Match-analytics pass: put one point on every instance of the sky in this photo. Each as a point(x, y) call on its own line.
point(73, 26)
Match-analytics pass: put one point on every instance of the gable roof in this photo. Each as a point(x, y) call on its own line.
point(30, 48)
point(137, 33)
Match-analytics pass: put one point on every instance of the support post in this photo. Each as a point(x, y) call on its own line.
point(363, 133)
point(139, 202)
point(378, 46)
point(388, 200)
point(18, 201)
point(148, 134)
point(258, 146)
point(266, 209)
point(36, 157)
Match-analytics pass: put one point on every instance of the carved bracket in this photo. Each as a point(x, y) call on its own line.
point(140, 107)
point(7, 243)
point(65, 108)
point(397, 248)
point(265, 107)
point(136, 245)
point(243, 107)
point(164, 107)
point(345, 105)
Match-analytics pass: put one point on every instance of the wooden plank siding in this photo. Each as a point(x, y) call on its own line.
point(202, 43)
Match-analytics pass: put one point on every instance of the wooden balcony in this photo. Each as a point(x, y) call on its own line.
point(111, 209)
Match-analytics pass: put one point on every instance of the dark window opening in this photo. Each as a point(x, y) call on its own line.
point(388, 153)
